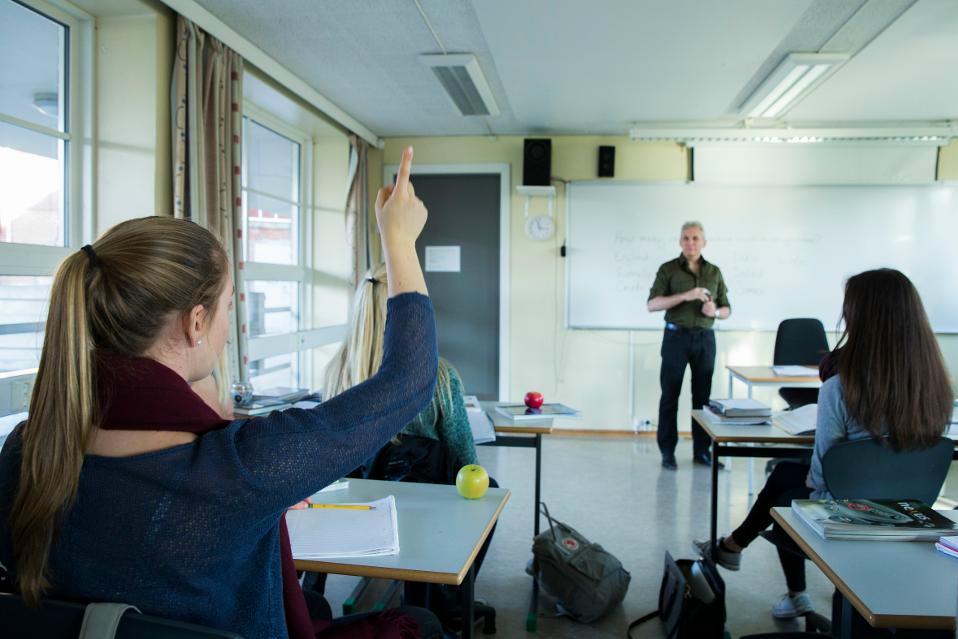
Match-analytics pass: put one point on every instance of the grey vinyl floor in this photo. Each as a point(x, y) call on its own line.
point(614, 492)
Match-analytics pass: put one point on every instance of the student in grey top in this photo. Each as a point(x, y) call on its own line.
point(887, 380)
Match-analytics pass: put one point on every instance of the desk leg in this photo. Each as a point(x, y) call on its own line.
point(468, 604)
point(751, 462)
point(713, 523)
point(535, 526)
point(532, 617)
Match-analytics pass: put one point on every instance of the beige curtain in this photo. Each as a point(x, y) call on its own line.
point(207, 96)
point(358, 215)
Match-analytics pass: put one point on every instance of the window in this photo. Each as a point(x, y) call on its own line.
point(295, 267)
point(39, 165)
point(273, 273)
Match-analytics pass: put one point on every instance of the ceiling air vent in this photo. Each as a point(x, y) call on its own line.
point(461, 77)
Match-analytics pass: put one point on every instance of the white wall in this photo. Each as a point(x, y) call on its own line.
point(133, 61)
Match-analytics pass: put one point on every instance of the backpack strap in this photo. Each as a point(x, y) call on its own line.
point(101, 620)
point(545, 511)
point(641, 620)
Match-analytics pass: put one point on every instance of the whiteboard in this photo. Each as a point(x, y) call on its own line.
point(785, 251)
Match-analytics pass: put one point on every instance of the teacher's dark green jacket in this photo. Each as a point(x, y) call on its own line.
point(675, 276)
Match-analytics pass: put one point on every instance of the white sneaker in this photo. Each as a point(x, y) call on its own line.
point(724, 558)
point(792, 606)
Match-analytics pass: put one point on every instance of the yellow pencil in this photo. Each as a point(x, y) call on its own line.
point(343, 506)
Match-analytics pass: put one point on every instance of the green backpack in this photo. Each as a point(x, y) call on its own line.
point(587, 580)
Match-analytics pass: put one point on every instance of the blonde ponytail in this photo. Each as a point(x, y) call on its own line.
point(116, 297)
point(62, 419)
point(361, 353)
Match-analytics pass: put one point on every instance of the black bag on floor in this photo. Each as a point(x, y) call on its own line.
point(691, 600)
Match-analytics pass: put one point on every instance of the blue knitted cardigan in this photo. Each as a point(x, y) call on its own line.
point(190, 532)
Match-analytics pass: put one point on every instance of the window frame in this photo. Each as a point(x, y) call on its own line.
point(304, 338)
point(76, 65)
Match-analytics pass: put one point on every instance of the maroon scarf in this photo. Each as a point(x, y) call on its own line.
point(137, 393)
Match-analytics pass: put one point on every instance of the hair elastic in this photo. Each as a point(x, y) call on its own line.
point(91, 254)
point(372, 280)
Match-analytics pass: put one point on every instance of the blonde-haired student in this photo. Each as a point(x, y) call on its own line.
point(124, 485)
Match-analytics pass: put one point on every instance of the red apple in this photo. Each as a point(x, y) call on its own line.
point(472, 481)
point(534, 399)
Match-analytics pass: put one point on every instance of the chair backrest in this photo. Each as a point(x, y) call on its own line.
point(800, 341)
point(865, 469)
point(55, 619)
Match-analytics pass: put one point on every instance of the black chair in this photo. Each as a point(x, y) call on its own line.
point(55, 619)
point(867, 469)
point(800, 342)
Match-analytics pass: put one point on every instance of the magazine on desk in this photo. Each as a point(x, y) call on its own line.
point(521, 413)
point(795, 371)
point(873, 520)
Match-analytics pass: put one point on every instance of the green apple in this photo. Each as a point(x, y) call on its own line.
point(472, 481)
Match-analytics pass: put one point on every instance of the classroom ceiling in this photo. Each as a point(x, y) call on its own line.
point(577, 67)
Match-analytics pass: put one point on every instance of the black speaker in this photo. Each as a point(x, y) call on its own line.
point(606, 161)
point(537, 162)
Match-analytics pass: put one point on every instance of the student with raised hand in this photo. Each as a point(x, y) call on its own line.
point(123, 485)
point(886, 379)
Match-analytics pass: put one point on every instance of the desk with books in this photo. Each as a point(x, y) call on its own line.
point(904, 585)
point(440, 534)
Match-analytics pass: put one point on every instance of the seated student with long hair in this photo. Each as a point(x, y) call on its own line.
point(886, 379)
point(123, 485)
point(444, 421)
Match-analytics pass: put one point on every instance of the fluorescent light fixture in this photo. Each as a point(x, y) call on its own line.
point(797, 76)
point(935, 133)
point(464, 82)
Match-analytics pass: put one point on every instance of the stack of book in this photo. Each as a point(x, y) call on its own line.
point(266, 401)
point(948, 545)
point(521, 413)
point(737, 411)
point(873, 520)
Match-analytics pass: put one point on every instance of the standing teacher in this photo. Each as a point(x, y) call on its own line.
point(693, 295)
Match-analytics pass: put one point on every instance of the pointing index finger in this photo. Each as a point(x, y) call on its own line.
point(405, 166)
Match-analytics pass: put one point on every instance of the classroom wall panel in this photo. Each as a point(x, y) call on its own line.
point(131, 97)
point(948, 163)
point(584, 368)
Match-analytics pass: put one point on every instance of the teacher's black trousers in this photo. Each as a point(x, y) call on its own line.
point(695, 349)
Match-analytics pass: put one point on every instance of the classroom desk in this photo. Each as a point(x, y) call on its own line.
point(752, 441)
point(753, 376)
point(746, 441)
point(440, 534)
point(527, 434)
point(892, 584)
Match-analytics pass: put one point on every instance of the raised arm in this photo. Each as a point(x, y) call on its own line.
point(401, 216)
point(287, 456)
